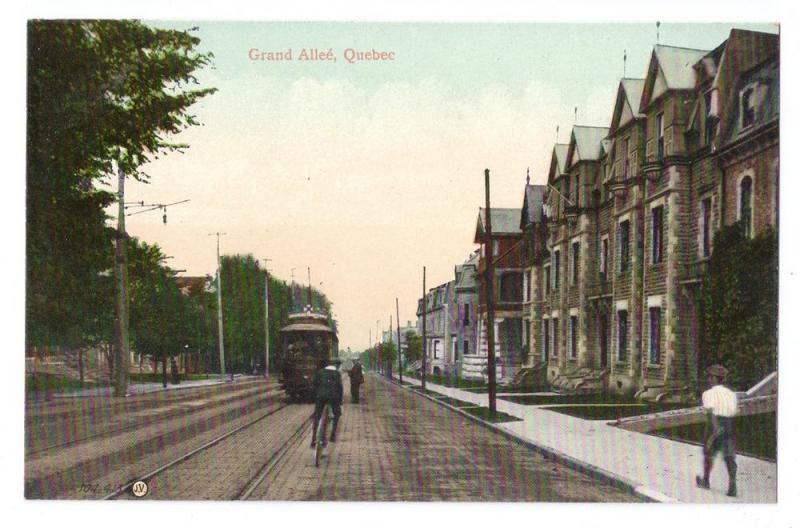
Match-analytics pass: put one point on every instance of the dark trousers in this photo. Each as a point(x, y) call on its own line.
point(354, 388)
point(336, 407)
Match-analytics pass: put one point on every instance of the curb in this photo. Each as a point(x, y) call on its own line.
point(634, 488)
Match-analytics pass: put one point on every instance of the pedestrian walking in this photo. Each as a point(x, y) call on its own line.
point(327, 391)
point(721, 405)
point(356, 379)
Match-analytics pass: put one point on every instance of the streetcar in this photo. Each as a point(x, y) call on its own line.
point(306, 340)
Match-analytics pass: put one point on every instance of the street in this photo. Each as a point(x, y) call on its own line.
point(230, 442)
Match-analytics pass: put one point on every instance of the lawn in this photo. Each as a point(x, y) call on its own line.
point(456, 403)
point(756, 434)
point(561, 399)
point(53, 383)
point(152, 377)
point(483, 414)
point(458, 383)
point(614, 411)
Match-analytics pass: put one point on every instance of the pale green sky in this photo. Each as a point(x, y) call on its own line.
point(366, 172)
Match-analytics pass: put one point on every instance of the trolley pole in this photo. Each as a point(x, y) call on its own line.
point(219, 311)
point(121, 323)
point(487, 244)
point(399, 349)
point(424, 332)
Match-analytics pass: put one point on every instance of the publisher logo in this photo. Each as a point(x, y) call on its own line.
point(139, 488)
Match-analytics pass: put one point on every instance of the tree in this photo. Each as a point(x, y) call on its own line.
point(414, 350)
point(162, 320)
point(100, 93)
point(740, 305)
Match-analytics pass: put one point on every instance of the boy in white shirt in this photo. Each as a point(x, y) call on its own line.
point(721, 405)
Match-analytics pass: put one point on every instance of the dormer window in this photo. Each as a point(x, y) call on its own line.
point(660, 136)
point(710, 127)
point(626, 163)
point(748, 107)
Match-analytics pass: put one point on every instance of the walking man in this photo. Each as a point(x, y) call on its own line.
point(720, 404)
point(327, 391)
point(356, 379)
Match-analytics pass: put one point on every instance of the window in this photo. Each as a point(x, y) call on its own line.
point(545, 340)
point(748, 107)
point(710, 120)
point(603, 258)
point(495, 247)
point(626, 163)
point(528, 286)
point(557, 266)
point(655, 335)
point(657, 222)
point(466, 314)
point(746, 205)
point(705, 227)
point(660, 136)
point(577, 192)
point(466, 347)
point(547, 280)
point(622, 335)
point(624, 245)
point(576, 249)
point(437, 349)
point(555, 337)
point(573, 336)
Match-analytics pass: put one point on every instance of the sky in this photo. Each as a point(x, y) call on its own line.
point(366, 172)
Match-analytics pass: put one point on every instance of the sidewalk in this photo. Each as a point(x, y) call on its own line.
point(661, 469)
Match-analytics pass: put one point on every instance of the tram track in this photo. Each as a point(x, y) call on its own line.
point(77, 471)
point(171, 472)
point(174, 409)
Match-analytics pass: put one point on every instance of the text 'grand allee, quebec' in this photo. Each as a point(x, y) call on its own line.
point(350, 55)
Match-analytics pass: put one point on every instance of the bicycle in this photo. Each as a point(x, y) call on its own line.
point(322, 428)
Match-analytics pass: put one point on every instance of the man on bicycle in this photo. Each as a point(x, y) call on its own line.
point(327, 391)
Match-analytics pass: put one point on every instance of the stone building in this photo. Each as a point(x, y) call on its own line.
point(507, 251)
point(632, 211)
point(441, 318)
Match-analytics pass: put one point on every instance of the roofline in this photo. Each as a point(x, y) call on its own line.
point(680, 47)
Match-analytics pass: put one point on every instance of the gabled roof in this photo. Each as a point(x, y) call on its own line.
point(532, 205)
point(585, 144)
point(629, 95)
point(558, 161)
point(504, 222)
point(670, 68)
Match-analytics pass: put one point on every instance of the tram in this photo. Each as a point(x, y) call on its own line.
point(306, 340)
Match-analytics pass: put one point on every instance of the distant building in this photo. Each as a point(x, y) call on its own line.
point(506, 250)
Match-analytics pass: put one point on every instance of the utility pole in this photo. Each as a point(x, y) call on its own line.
point(424, 332)
point(490, 300)
point(370, 342)
point(399, 350)
point(121, 265)
point(266, 318)
point(310, 304)
point(388, 359)
point(219, 311)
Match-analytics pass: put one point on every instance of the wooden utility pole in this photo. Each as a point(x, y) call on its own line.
point(489, 279)
point(424, 332)
point(121, 322)
point(399, 350)
point(219, 311)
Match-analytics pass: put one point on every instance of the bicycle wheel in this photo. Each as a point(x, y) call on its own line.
point(320, 437)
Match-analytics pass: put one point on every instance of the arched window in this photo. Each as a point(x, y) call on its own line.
point(746, 205)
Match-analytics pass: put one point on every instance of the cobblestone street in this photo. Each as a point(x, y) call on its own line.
point(399, 446)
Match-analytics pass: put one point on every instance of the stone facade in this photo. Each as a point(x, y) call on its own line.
point(630, 212)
